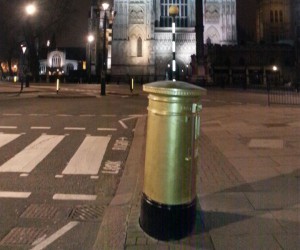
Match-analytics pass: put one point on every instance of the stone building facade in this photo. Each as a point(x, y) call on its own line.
point(274, 21)
point(141, 41)
point(220, 22)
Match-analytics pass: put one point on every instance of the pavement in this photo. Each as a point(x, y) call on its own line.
point(66, 90)
point(248, 180)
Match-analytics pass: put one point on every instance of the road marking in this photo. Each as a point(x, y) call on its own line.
point(123, 124)
point(106, 129)
point(7, 114)
point(24, 175)
point(64, 115)
point(38, 114)
point(8, 127)
point(112, 167)
point(128, 118)
point(109, 115)
point(6, 138)
point(58, 176)
point(94, 177)
point(21, 195)
point(32, 155)
point(82, 197)
point(55, 236)
point(87, 159)
point(121, 144)
point(87, 115)
point(74, 128)
point(37, 127)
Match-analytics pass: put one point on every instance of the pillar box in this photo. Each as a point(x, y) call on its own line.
point(168, 205)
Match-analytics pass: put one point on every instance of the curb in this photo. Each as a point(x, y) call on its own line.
point(63, 96)
point(112, 231)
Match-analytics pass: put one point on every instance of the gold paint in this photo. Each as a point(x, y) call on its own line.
point(171, 147)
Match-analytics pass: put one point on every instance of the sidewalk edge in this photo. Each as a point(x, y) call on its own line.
point(112, 231)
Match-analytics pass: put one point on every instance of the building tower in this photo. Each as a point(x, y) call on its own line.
point(220, 21)
point(273, 21)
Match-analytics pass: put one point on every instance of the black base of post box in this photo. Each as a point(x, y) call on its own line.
point(165, 222)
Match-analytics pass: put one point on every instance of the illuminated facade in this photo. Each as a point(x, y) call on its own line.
point(220, 21)
point(141, 43)
point(57, 61)
point(142, 37)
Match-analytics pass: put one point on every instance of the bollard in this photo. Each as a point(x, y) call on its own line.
point(57, 85)
point(168, 205)
point(131, 85)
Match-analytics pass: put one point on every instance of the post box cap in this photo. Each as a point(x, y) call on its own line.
point(171, 88)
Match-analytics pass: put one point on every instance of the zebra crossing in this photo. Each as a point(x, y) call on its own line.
point(86, 160)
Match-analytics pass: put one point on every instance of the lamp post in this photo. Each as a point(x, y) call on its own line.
point(30, 10)
point(199, 40)
point(22, 66)
point(104, 59)
point(173, 12)
point(47, 67)
point(90, 39)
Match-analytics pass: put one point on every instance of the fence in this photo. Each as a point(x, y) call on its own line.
point(287, 95)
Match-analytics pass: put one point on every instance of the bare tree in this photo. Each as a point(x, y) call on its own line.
point(51, 17)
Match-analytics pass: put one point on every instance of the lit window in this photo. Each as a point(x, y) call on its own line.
point(181, 19)
point(56, 60)
point(139, 47)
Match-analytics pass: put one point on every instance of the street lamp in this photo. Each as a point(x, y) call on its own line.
point(30, 9)
point(90, 39)
point(104, 59)
point(173, 12)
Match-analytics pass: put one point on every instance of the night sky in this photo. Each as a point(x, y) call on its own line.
point(76, 35)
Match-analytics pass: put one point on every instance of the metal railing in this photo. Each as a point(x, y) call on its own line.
point(287, 95)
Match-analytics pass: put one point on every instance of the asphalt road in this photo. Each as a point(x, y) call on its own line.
point(61, 160)
point(60, 163)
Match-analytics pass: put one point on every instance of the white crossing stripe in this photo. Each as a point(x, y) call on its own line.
point(21, 195)
point(32, 155)
point(83, 197)
point(8, 127)
point(87, 159)
point(6, 138)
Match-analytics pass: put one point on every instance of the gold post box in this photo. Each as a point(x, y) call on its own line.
point(168, 206)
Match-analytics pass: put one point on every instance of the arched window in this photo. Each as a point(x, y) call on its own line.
point(281, 16)
point(271, 16)
point(56, 61)
point(139, 47)
point(276, 16)
point(70, 67)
